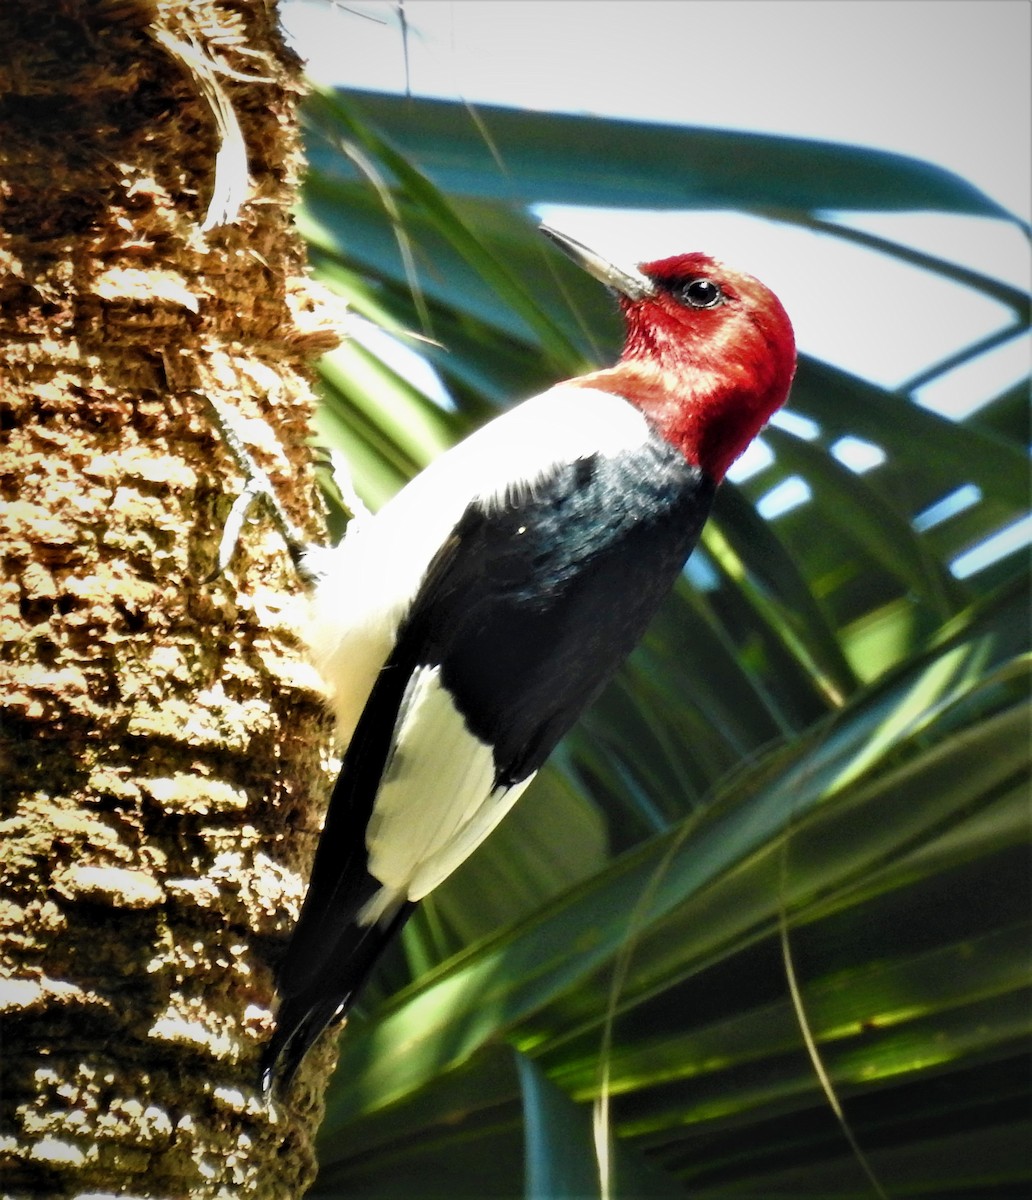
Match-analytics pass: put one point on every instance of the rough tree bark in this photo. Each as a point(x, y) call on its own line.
point(163, 751)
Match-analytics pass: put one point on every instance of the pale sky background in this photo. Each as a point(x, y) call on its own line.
point(947, 81)
point(931, 78)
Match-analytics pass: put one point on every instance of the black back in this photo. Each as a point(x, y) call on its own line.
point(529, 608)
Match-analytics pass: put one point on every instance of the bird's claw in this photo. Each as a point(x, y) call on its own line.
point(256, 488)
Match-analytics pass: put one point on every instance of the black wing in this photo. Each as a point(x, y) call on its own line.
point(528, 609)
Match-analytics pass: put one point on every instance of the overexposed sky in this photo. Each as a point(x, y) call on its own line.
point(947, 81)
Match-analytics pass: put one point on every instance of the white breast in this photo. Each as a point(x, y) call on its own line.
point(371, 578)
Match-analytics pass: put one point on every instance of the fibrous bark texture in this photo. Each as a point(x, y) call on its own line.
point(163, 745)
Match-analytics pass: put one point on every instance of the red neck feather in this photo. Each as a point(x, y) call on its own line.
point(709, 379)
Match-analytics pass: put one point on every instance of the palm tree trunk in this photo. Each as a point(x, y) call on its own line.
point(163, 752)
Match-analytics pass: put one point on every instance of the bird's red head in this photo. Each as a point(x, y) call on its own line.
point(709, 354)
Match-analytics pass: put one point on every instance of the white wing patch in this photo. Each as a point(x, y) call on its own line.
point(437, 801)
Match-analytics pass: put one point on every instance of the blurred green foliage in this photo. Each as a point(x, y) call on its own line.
point(771, 898)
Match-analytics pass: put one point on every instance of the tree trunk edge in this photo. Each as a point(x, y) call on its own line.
point(164, 747)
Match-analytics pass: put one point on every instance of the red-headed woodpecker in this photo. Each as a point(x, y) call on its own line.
point(465, 627)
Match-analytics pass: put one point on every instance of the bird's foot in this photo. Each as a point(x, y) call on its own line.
point(257, 488)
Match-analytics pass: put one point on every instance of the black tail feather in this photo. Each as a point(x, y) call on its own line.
point(304, 1014)
point(299, 1023)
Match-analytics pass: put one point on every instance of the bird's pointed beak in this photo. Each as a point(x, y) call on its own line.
point(630, 283)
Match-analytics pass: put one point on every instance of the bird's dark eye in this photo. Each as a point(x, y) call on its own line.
point(701, 293)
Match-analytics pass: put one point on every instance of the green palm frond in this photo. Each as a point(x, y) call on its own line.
point(773, 890)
